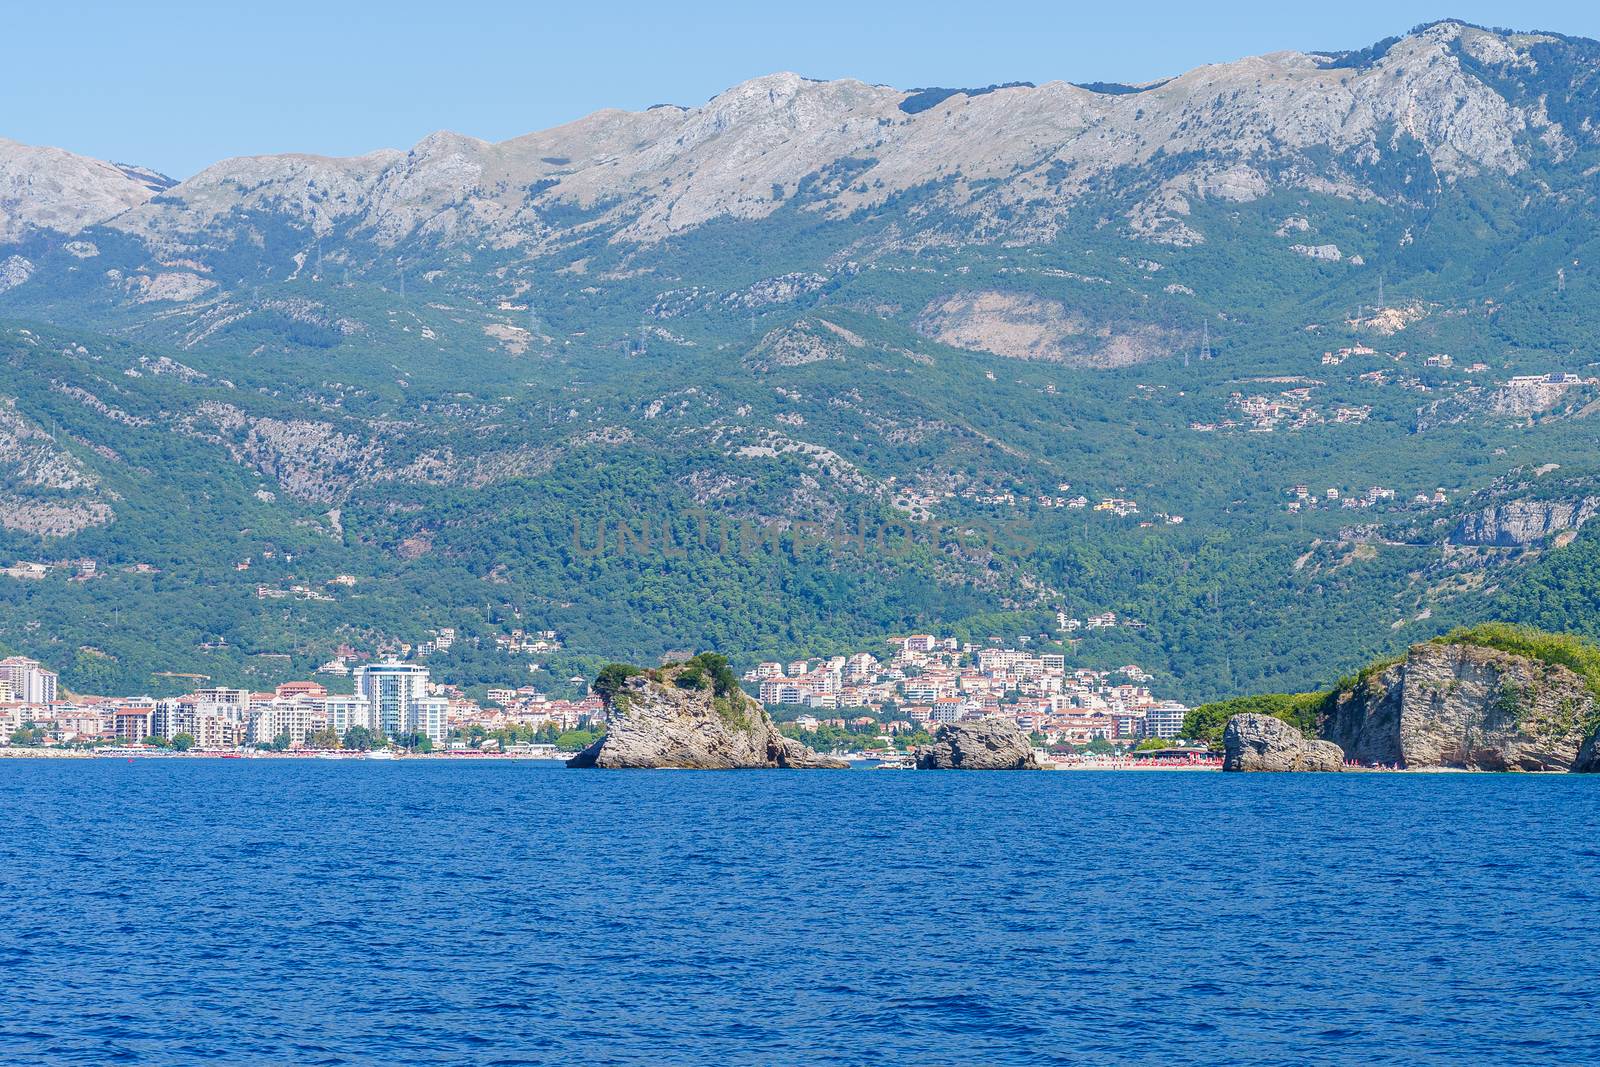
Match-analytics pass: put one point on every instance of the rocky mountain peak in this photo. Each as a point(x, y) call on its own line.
point(58, 191)
point(1391, 123)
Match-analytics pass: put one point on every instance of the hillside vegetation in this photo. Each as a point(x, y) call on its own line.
point(820, 362)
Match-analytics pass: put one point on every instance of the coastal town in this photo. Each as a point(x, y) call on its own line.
point(927, 681)
point(862, 702)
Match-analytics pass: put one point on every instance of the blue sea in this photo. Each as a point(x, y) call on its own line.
point(287, 912)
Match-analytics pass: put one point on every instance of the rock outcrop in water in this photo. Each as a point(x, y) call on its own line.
point(991, 744)
point(1264, 743)
point(1464, 706)
point(690, 716)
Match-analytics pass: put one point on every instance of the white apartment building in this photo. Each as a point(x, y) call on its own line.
point(30, 681)
point(296, 718)
point(776, 692)
point(926, 690)
point(861, 667)
point(171, 718)
point(345, 712)
point(429, 716)
point(1164, 720)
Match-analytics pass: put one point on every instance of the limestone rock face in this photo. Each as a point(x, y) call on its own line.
point(991, 744)
point(1264, 743)
point(1523, 522)
point(654, 723)
point(1463, 706)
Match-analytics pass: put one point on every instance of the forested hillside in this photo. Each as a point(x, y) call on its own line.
point(819, 362)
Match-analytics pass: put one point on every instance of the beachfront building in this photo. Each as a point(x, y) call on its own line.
point(430, 717)
point(346, 712)
point(1164, 720)
point(132, 722)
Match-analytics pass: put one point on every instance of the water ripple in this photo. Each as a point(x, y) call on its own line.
point(185, 911)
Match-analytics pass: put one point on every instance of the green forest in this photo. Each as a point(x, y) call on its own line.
point(669, 460)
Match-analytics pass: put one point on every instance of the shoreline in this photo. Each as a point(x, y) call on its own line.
point(25, 753)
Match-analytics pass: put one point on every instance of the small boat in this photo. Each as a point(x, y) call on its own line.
point(380, 753)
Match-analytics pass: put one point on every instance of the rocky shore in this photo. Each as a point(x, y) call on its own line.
point(1464, 706)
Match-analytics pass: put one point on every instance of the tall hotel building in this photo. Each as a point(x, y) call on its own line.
point(396, 692)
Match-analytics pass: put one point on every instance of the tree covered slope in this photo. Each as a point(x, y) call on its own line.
point(817, 362)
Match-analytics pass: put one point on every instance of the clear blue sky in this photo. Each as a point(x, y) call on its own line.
point(177, 85)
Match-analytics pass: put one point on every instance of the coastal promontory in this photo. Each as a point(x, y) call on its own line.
point(1493, 697)
point(690, 716)
point(1462, 704)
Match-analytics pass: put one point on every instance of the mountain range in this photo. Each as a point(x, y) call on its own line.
point(893, 336)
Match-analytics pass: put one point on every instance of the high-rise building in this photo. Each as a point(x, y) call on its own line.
point(30, 682)
point(393, 689)
point(428, 717)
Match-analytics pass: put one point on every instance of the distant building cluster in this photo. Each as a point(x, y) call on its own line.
point(1105, 620)
point(1303, 498)
point(391, 699)
point(940, 680)
point(519, 642)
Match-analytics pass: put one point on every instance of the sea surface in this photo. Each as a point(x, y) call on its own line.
point(181, 911)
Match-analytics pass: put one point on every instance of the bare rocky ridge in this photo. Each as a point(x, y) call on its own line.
point(652, 722)
point(1006, 164)
point(54, 190)
point(1263, 743)
point(991, 744)
point(1024, 326)
point(1458, 705)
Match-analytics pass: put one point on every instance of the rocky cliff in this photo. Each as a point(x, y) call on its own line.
point(991, 744)
point(675, 718)
point(1523, 522)
point(1460, 705)
point(1264, 743)
point(1589, 756)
